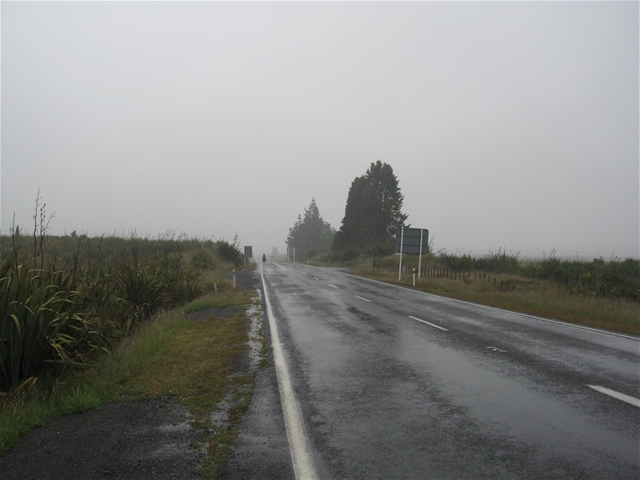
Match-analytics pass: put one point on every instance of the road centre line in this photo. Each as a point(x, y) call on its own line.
point(301, 457)
point(618, 395)
point(428, 323)
point(363, 299)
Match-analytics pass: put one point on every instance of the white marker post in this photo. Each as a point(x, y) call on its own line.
point(401, 244)
point(420, 257)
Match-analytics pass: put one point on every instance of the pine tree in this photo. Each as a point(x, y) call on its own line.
point(310, 233)
point(373, 212)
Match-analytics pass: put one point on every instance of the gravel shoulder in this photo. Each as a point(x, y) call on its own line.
point(143, 439)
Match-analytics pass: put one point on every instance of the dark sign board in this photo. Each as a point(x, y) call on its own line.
point(248, 252)
point(411, 239)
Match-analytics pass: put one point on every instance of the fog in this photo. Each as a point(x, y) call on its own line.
point(508, 124)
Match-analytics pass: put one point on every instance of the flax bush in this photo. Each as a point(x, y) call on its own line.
point(42, 324)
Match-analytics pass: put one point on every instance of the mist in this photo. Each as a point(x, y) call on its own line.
point(507, 124)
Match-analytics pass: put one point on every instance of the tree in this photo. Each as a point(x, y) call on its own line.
point(373, 212)
point(310, 232)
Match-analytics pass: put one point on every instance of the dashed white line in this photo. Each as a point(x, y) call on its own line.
point(301, 457)
point(316, 278)
point(333, 286)
point(429, 323)
point(406, 289)
point(618, 395)
point(366, 300)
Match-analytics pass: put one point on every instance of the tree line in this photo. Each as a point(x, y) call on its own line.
point(372, 214)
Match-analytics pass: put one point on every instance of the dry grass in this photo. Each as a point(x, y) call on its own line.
point(536, 297)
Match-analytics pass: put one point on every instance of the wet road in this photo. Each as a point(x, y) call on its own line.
point(393, 383)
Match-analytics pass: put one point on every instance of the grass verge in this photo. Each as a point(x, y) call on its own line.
point(195, 363)
point(526, 295)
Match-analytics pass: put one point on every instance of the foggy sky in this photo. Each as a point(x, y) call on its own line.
point(508, 124)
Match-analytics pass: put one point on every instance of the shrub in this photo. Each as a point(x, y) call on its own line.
point(229, 252)
point(350, 253)
point(42, 324)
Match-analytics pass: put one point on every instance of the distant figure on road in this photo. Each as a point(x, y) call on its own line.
point(264, 257)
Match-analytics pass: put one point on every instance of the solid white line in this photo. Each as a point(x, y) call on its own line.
point(363, 299)
point(301, 457)
point(428, 323)
point(618, 395)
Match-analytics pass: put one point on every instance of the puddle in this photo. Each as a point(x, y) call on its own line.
point(255, 313)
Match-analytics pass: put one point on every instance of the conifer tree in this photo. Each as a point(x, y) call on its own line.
point(373, 212)
point(310, 234)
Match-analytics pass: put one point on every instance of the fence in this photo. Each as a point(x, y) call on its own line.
point(431, 271)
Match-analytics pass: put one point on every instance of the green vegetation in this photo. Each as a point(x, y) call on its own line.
point(85, 321)
point(310, 235)
point(190, 361)
point(372, 215)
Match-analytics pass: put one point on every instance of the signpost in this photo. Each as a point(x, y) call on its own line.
point(248, 253)
point(412, 241)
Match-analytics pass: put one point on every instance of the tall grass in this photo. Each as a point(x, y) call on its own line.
point(614, 279)
point(66, 299)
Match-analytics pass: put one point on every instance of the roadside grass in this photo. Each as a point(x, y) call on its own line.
point(212, 300)
point(533, 296)
point(195, 363)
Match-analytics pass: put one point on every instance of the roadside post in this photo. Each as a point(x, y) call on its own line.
point(291, 254)
point(234, 278)
point(414, 276)
point(401, 245)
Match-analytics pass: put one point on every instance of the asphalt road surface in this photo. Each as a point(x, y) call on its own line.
point(393, 383)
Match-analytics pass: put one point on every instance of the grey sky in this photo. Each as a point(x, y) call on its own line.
point(507, 124)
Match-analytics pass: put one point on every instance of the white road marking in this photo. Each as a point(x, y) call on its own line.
point(332, 285)
point(363, 299)
point(301, 457)
point(618, 395)
point(316, 278)
point(406, 289)
point(496, 349)
point(429, 323)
